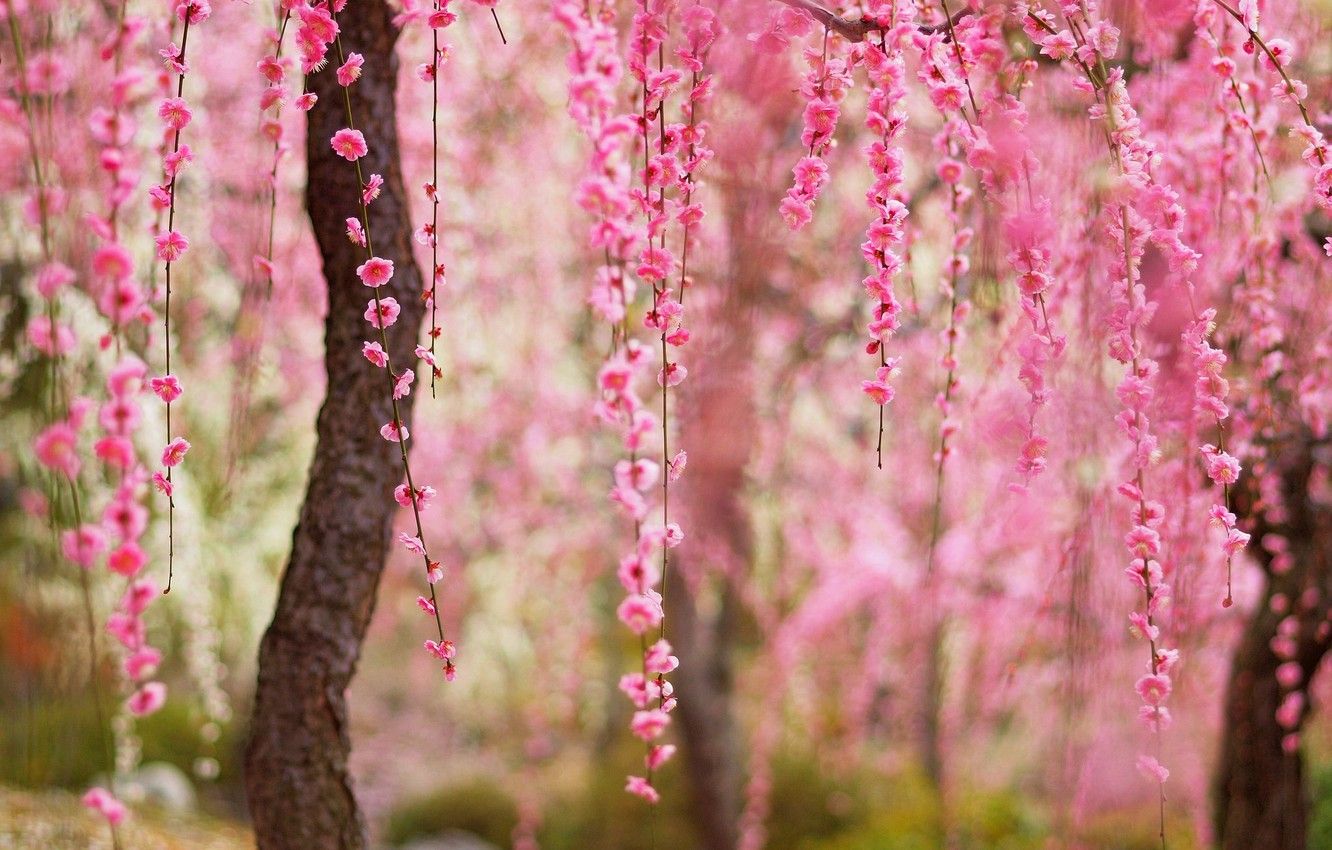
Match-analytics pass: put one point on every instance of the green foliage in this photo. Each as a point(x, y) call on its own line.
point(601, 814)
point(1320, 816)
point(480, 807)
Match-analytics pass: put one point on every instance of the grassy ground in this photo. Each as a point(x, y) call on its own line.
point(55, 820)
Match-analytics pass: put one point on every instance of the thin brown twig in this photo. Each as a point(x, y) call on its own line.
point(854, 30)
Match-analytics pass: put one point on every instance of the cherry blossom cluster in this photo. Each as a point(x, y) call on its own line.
point(175, 114)
point(886, 119)
point(1140, 210)
point(823, 87)
point(318, 31)
point(1277, 54)
point(120, 297)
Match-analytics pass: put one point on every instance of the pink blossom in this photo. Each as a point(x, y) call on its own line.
point(1152, 769)
point(170, 245)
point(640, 612)
point(443, 650)
point(374, 352)
point(649, 725)
point(126, 559)
point(83, 545)
point(350, 71)
point(175, 451)
point(640, 787)
point(375, 272)
point(384, 313)
point(658, 755)
point(56, 448)
point(1154, 689)
point(150, 697)
point(355, 232)
point(101, 801)
point(394, 432)
point(349, 144)
point(142, 663)
point(175, 113)
point(167, 388)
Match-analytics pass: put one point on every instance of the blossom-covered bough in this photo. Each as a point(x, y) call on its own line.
point(1019, 145)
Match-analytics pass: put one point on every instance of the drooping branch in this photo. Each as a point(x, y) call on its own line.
point(854, 30)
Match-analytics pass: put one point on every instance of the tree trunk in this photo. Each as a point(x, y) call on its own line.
point(296, 776)
point(1261, 800)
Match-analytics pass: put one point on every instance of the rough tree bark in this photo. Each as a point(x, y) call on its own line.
point(1261, 801)
point(296, 776)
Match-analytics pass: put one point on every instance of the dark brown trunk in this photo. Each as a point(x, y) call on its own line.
point(296, 776)
point(1261, 800)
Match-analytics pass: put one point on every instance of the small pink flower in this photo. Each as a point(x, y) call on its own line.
point(659, 755)
point(425, 605)
point(444, 650)
point(175, 113)
point(138, 596)
point(55, 448)
point(83, 545)
point(1154, 689)
point(640, 787)
point(175, 451)
point(350, 71)
point(649, 725)
point(383, 314)
point(170, 245)
point(101, 801)
point(126, 559)
point(672, 375)
point(147, 699)
point(402, 385)
point(375, 272)
point(1153, 769)
point(411, 543)
point(639, 612)
point(53, 277)
point(115, 451)
point(197, 11)
point(371, 189)
point(167, 387)
point(659, 659)
point(394, 433)
point(374, 352)
point(355, 232)
point(349, 144)
point(142, 663)
point(306, 101)
point(165, 487)
point(424, 494)
point(126, 629)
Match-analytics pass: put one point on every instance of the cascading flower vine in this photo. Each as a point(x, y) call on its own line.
point(885, 237)
point(1141, 210)
point(436, 19)
point(175, 114)
point(318, 31)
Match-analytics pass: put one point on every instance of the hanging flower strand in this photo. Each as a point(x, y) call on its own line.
point(1277, 54)
point(319, 28)
point(56, 447)
point(885, 237)
point(171, 245)
point(439, 18)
